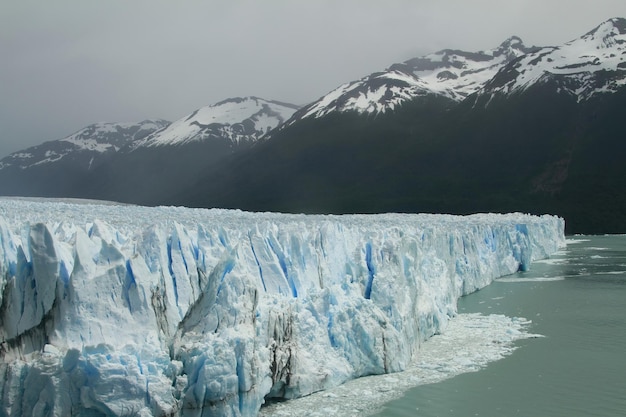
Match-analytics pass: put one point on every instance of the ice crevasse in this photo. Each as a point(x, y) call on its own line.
point(123, 310)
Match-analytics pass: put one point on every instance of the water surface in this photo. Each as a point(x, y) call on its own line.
point(577, 300)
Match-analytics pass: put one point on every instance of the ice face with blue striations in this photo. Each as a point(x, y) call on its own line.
point(123, 310)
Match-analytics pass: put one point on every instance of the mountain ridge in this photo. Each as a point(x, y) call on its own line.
point(591, 64)
point(97, 138)
point(239, 119)
point(451, 73)
point(538, 149)
point(513, 128)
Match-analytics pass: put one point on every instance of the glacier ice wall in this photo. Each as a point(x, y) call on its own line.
point(122, 310)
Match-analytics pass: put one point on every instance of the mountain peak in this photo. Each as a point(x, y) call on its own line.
point(237, 119)
point(583, 67)
point(512, 42)
point(450, 73)
point(238, 100)
point(512, 48)
point(86, 146)
point(606, 33)
point(253, 102)
point(615, 24)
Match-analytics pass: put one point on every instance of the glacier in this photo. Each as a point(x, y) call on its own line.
point(114, 310)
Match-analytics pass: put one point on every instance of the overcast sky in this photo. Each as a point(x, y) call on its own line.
point(66, 64)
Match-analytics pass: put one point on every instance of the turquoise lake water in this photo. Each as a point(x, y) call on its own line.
point(577, 301)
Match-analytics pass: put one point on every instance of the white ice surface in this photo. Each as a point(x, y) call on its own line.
point(148, 311)
point(538, 279)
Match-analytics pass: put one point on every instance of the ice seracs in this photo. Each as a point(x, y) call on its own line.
point(126, 310)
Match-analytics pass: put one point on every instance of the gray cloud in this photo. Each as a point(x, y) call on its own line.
point(67, 64)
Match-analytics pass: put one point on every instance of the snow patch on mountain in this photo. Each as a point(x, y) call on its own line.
point(375, 93)
point(593, 64)
point(102, 137)
point(239, 120)
point(89, 142)
point(457, 74)
point(448, 73)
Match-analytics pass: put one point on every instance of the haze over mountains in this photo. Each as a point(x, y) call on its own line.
point(515, 128)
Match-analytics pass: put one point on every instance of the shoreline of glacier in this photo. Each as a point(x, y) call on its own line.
point(470, 343)
point(118, 310)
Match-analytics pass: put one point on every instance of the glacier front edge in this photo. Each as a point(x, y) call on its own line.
point(125, 310)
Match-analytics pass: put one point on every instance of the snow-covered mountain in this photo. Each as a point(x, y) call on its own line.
point(550, 142)
point(85, 146)
point(448, 73)
point(592, 64)
point(457, 74)
point(434, 145)
point(587, 66)
point(128, 310)
point(238, 120)
point(140, 163)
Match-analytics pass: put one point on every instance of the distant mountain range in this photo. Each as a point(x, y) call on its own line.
point(449, 73)
point(86, 147)
point(515, 128)
point(144, 162)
